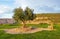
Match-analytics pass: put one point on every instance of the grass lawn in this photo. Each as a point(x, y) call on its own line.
point(37, 35)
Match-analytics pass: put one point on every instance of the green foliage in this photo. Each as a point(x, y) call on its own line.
point(20, 15)
point(29, 14)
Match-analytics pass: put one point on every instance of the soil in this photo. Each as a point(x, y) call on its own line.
point(24, 30)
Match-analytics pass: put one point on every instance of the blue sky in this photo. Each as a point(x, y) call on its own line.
point(39, 6)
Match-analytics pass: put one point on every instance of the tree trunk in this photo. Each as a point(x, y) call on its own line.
point(24, 24)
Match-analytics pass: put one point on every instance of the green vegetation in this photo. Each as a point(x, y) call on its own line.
point(4, 26)
point(43, 25)
point(18, 25)
point(23, 15)
point(55, 34)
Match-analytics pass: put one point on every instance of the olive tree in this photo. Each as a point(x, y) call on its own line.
point(23, 15)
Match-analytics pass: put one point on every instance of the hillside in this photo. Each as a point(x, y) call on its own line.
point(50, 16)
point(54, 17)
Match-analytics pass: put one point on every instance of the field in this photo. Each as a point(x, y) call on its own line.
point(55, 34)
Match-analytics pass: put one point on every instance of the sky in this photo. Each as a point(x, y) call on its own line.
point(39, 6)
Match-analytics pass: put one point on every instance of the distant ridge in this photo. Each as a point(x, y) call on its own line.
point(47, 13)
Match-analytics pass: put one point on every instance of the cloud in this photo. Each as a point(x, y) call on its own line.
point(4, 9)
point(56, 8)
point(53, 5)
point(39, 6)
point(21, 3)
point(6, 15)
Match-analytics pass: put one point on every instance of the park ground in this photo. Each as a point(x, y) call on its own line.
point(54, 34)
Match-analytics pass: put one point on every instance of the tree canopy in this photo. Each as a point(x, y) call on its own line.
point(23, 15)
